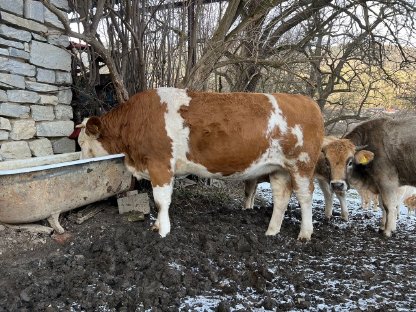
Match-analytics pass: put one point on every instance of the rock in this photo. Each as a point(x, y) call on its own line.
point(41, 147)
point(59, 40)
point(34, 10)
point(18, 53)
point(23, 23)
point(48, 99)
point(13, 33)
point(50, 56)
point(134, 202)
point(11, 81)
point(54, 128)
point(63, 78)
point(65, 96)
point(40, 87)
point(4, 136)
point(13, 6)
point(3, 96)
point(45, 75)
point(14, 110)
point(22, 129)
point(40, 112)
point(63, 145)
point(9, 43)
point(5, 124)
point(63, 112)
point(15, 150)
point(4, 52)
point(51, 19)
point(22, 96)
point(61, 4)
point(15, 67)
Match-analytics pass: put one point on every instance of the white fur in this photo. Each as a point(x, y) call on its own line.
point(175, 126)
point(304, 157)
point(89, 144)
point(297, 131)
point(304, 196)
point(162, 196)
point(276, 117)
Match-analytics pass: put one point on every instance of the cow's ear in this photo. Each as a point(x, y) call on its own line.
point(363, 157)
point(93, 127)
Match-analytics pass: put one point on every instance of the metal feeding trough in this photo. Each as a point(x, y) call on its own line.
point(43, 187)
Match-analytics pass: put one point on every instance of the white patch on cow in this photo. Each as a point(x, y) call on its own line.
point(138, 174)
point(297, 132)
point(276, 117)
point(175, 126)
point(304, 157)
point(162, 196)
point(90, 147)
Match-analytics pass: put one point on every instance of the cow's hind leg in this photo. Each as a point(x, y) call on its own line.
point(303, 187)
point(281, 186)
point(250, 187)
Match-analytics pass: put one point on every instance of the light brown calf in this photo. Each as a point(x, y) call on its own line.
point(379, 155)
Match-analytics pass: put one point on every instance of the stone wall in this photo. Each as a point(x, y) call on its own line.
point(35, 81)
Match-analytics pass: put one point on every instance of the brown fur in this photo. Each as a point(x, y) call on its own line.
point(226, 131)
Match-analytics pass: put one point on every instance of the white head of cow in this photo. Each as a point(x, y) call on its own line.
point(341, 156)
point(88, 138)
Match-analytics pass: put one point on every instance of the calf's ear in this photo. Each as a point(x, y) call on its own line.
point(363, 157)
point(93, 127)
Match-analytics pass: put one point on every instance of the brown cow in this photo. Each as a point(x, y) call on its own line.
point(169, 132)
point(387, 162)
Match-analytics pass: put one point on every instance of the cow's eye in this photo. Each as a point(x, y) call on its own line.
point(349, 163)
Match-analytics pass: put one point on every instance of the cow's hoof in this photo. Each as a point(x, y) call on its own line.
point(305, 236)
point(154, 228)
point(271, 232)
point(387, 233)
point(248, 208)
point(344, 218)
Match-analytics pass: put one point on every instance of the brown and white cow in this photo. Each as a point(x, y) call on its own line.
point(167, 132)
point(379, 155)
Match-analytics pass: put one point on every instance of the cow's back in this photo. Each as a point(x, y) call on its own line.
point(400, 145)
point(228, 132)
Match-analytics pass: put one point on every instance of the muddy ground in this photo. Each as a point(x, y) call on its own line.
point(216, 258)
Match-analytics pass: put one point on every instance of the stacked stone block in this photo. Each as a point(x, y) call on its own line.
point(35, 81)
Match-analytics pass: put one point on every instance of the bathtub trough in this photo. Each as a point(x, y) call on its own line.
point(43, 187)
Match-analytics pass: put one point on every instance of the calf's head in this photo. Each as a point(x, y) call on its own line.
point(342, 157)
point(89, 138)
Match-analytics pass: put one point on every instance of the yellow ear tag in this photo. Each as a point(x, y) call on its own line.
point(363, 160)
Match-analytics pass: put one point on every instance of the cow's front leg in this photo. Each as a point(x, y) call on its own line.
point(304, 189)
point(389, 201)
point(328, 196)
point(343, 203)
point(281, 185)
point(250, 187)
point(162, 185)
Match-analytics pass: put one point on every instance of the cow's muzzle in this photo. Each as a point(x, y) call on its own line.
point(338, 186)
